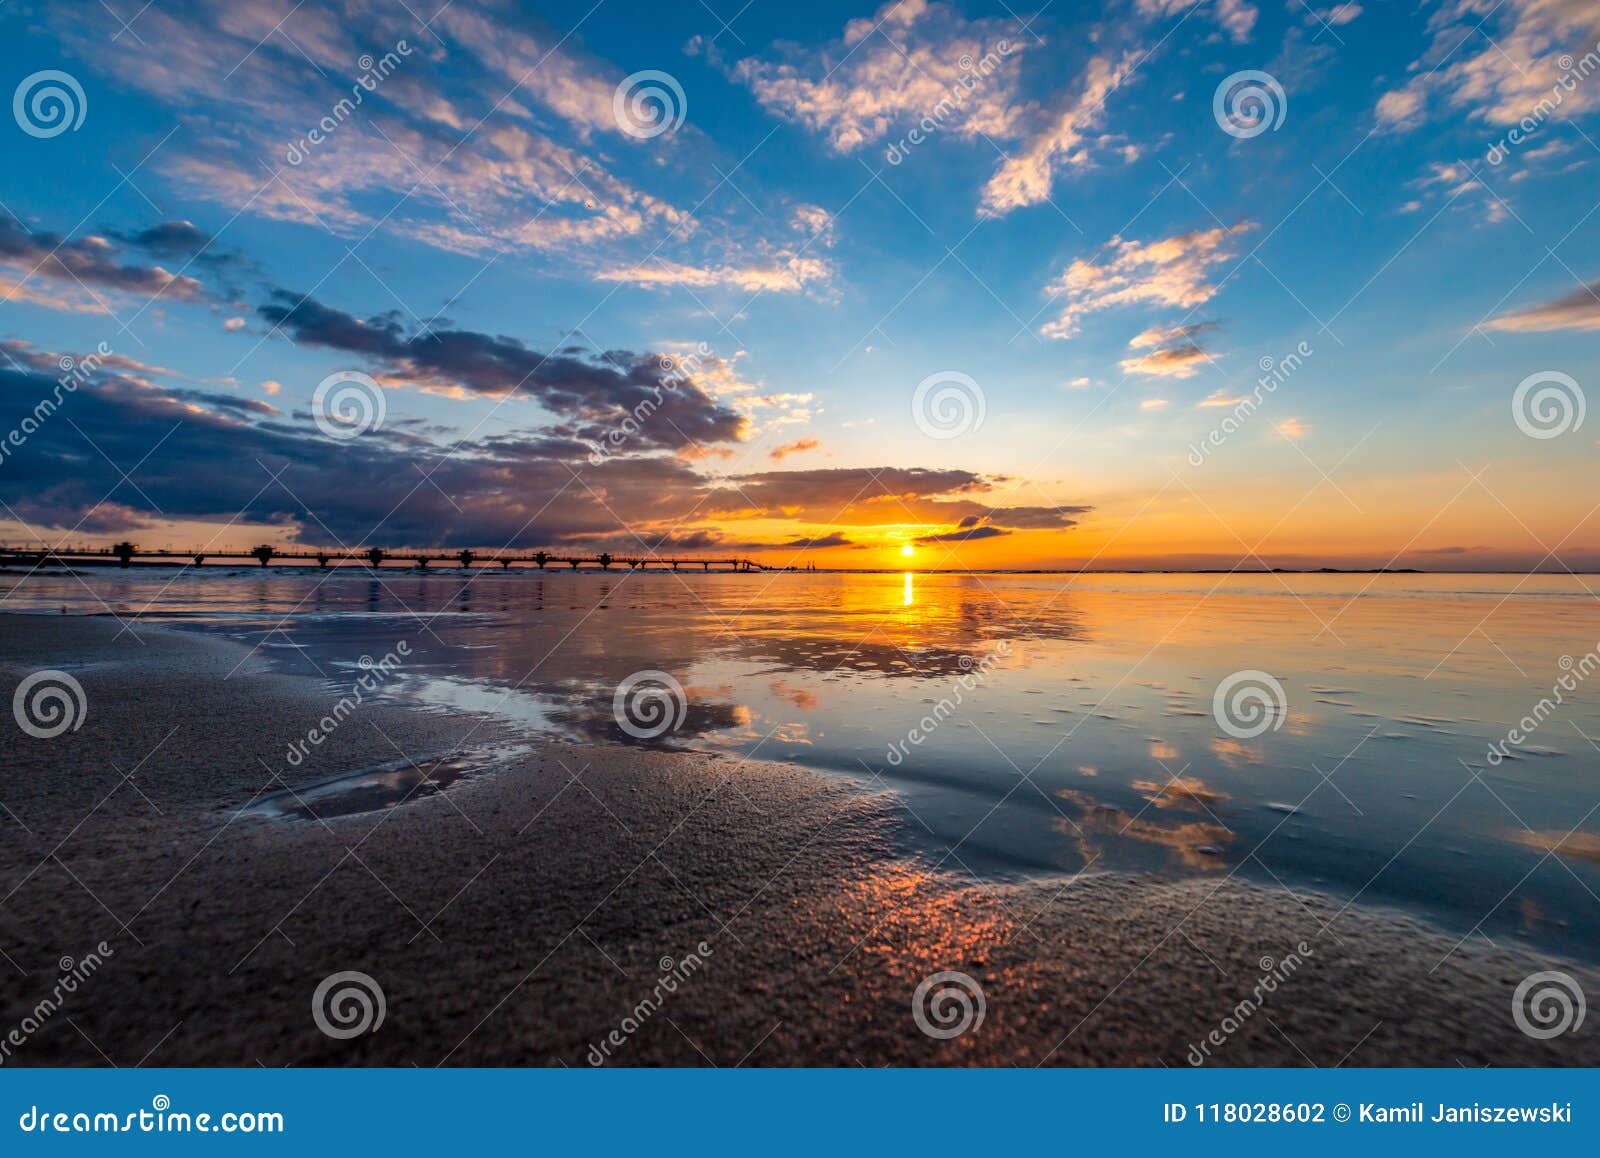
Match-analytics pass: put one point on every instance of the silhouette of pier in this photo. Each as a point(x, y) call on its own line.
point(124, 555)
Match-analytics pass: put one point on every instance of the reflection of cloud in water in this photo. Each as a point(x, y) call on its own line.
point(1582, 845)
point(1195, 845)
point(1188, 792)
point(1235, 754)
point(799, 697)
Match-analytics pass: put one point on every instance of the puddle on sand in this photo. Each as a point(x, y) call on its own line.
point(377, 787)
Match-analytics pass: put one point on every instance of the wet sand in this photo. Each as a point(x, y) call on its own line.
point(519, 916)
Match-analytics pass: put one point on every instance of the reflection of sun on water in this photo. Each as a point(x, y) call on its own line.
point(910, 596)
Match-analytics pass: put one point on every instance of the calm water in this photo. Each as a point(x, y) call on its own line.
point(1072, 718)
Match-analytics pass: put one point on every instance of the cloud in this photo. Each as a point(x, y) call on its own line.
point(1337, 16)
point(789, 273)
point(1028, 173)
point(1154, 404)
point(1519, 67)
point(1172, 271)
point(79, 268)
point(798, 446)
point(209, 456)
point(1236, 17)
point(833, 539)
point(911, 60)
point(1578, 310)
point(594, 392)
point(485, 146)
point(1174, 351)
point(1174, 362)
point(972, 535)
point(1293, 428)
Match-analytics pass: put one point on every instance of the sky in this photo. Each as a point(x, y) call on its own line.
point(1143, 284)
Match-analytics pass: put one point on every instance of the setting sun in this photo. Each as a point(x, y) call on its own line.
point(908, 550)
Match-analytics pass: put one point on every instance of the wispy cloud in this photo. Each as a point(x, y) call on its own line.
point(1578, 310)
point(1172, 271)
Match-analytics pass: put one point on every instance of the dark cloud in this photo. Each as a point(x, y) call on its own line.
point(862, 496)
point(834, 539)
point(200, 454)
point(616, 398)
point(966, 536)
point(87, 263)
point(169, 239)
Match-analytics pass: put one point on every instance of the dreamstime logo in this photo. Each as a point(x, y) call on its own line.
point(1248, 704)
point(348, 404)
point(74, 373)
point(947, 1005)
point(947, 405)
point(1249, 103)
point(1548, 1004)
point(673, 974)
point(674, 370)
point(48, 103)
point(348, 1005)
point(48, 703)
point(649, 704)
point(1573, 673)
point(1548, 404)
point(972, 76)
point(973, 673)
point(1572, 71)
point(1274, 973)
point(373, 73)
point(649, 103)
point(1274, 373)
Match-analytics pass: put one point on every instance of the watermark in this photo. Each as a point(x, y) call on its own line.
point(348, 404)
point(675, 371)
point(1572, 71)
point(73, 974)
point(375, 673)
point(373, 73)
point(649, 704)
point(1548, 404)
point(673, 974)
point(1574, 672)
point(649, 103)
point(1249, 703)
point(74, 373)
point(948, 1004)
point(1274, 373)
point(973, 75)
point(48, 103)
point(1548, 1004)
point(49, 703)
point(348, 1004)
point(160, 1118)
point(947, 405)
point(1249, 103)
point(1273, 974)
point(973, 674)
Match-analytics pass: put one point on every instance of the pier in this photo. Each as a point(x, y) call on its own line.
point(126, 553)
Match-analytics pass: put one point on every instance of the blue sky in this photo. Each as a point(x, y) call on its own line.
point(1078, 237)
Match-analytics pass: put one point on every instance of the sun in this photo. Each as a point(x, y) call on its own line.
point(908, 550)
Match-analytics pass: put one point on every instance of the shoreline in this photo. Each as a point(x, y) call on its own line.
point(527, 911)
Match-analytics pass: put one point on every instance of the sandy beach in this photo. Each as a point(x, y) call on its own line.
point(520, 916)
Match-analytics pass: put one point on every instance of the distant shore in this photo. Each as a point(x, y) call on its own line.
point(442, 564)
point(533, 912)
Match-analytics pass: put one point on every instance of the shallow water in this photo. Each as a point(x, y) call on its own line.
point(1034, 723)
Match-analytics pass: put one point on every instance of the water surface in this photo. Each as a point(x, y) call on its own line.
point(1034, 724)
